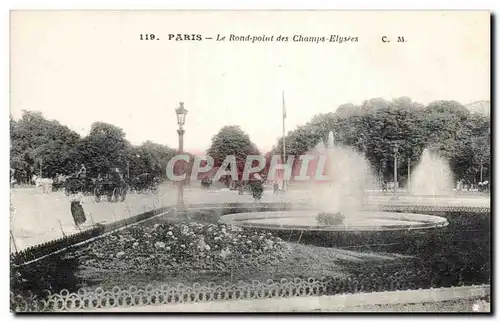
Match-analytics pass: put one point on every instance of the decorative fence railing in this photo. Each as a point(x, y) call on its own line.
point(50, 247)
point(434, 208)
point(44, 249)
point(86, 299)
point(388, 207)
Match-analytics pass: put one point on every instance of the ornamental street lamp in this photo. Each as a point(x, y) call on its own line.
point(181, 119)
point(128, 165)
point(481, 171)
point(40, 162)
point(409, 175)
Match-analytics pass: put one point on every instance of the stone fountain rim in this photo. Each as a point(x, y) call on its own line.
point(431, 221)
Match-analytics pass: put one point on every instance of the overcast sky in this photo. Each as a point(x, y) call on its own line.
point(81, 67)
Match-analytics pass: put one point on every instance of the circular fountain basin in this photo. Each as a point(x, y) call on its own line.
point(354, 221)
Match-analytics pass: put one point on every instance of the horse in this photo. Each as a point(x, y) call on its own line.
point(44, 183)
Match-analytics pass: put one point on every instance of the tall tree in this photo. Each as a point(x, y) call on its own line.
point(103, 149)
point(231, 140)
point(149, 157)
point(40, 144)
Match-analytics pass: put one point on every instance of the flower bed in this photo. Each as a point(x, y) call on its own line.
point(186, 247)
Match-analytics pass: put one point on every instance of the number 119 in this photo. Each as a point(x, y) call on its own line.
point(147, 37)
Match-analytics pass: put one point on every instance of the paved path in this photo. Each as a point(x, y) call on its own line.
point(43, 217)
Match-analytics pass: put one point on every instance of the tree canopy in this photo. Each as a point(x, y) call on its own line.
point(231, 140)
point(43, 146)
point(377, 126)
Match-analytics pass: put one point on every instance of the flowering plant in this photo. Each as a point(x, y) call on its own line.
point(184, 246)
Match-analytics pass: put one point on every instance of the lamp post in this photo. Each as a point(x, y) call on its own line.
point(181, 119)
point(128, 164)
point(41, 167)
point(409, 173)
point(481, 171)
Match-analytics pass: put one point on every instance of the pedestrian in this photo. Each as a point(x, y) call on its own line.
point(240, 188)
point(77, 210)
point(257, 189)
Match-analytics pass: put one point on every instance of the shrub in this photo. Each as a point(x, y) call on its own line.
point(330, 219)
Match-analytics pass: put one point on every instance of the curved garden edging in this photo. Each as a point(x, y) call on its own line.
point(341, 302)
point(359, 290)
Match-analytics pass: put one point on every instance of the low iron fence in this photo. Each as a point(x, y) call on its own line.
point(434, 208)
point(47, 248)
point(88, 299)
point(44, 249)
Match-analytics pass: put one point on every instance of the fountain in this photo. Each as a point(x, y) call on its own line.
point(432, 176)
point(339, 204)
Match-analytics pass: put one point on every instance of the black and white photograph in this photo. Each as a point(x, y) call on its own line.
point(244, 161)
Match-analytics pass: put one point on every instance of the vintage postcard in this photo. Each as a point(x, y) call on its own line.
point(250, 161)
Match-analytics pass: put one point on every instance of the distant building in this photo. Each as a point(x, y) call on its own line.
point(481, 107)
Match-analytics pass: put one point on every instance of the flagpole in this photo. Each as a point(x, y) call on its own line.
point(284, 139)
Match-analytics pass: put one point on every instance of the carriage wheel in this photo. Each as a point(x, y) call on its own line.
point(116, 194)
point(154, 189)
point(97, 195)
point(138, 190)
point(145, 191)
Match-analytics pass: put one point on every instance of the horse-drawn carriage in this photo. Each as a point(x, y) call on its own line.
point(113, 186)
point(144, 183)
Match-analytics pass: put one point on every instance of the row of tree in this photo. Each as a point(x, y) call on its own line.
point(41, 146)
point(375, 128)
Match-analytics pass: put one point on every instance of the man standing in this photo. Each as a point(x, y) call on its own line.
point(276, 187)
point(83, 171)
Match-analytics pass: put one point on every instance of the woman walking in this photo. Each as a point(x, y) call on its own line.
point(77, 211)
